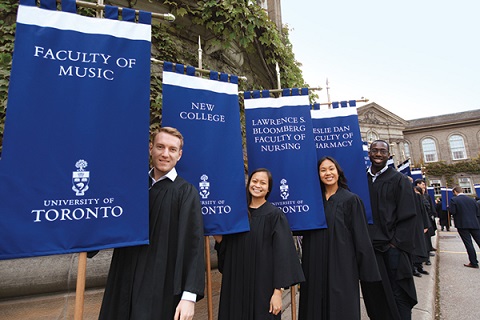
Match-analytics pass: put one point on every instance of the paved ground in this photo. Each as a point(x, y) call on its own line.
point(61, 306)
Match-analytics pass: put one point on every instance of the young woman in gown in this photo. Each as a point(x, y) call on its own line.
point(257, 265)
point(336, 258)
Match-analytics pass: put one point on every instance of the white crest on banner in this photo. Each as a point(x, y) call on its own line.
point(284, 189)
point(204, 186)
point(80, 178)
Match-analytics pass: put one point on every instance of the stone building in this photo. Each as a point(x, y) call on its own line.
point(449, 138)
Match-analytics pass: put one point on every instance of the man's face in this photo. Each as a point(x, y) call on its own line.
point(378, 154)
point(165, 152)
point(423, 186)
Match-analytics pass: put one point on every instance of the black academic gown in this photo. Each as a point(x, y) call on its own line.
point(254, 263)
point(391, 199)
point(146, 282)
point(420, 252)
point(335, 259)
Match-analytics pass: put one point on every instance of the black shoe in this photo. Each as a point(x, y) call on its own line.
point(431, 254)
point(417, 274)
point(424, 272)
point(433, 249)
point(428, 263)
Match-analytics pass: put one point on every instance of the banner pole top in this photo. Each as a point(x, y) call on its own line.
point(162, 16)
point(196, 69)
point(278, 90)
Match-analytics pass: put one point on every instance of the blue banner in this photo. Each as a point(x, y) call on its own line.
point(405, 168)
point(447, 194)
point(280, 138)
point(416, 173)
point(207, 114)
point(73, 173)
point(337, 134)
point(477, 189)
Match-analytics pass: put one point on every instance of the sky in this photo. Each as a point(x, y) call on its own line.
point(415, 58)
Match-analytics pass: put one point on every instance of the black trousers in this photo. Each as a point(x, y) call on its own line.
point(467, 235)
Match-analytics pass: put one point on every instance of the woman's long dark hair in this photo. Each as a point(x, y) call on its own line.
point(270, 183)
point(342, 180)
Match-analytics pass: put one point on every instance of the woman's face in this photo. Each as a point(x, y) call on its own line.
point(258, 187)
point(328, 173)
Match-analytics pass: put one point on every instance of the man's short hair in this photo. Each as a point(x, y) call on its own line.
point(418, 181)
point(458, 189)
point(381, 141)
point(170, 130)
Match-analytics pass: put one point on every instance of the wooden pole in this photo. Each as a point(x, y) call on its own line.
point(209, 278)
point(293, 302)
point(80, 292)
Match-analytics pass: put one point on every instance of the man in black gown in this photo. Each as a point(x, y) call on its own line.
point(392, 235)
point(164, 279)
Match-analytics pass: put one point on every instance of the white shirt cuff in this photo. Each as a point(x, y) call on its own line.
point(189, 296)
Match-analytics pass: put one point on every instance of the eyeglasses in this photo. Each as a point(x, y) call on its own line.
point(383, 152)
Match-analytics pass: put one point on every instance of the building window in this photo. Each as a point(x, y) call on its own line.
point(465, 184)
point(457, 147)
point(371, 136)
point(429, 150)
point(436, 185)
point(406, 148)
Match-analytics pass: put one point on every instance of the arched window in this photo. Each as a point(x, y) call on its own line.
point(429, 150)
point(371, 136)
point(457, 147)
point(406, 148)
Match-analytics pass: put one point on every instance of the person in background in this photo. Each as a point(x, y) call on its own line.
point(466, 214)
point(442, 214)
point(336, 258)
point(391, 198)
point(430, 207)
point(420, 253)
point(257, 265)
point(164, 279)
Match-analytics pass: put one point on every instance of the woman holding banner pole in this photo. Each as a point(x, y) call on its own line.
point(257, 265)
point(336, 258)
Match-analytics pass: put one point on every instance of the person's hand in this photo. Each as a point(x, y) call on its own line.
point(425, 230)
point(276, 302)
point(185, 310)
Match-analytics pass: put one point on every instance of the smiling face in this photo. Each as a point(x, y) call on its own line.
point(328, 173)
point(378, 155)
point(165, 150)
point(259, 185)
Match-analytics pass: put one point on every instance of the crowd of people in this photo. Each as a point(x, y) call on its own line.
point(164, 279)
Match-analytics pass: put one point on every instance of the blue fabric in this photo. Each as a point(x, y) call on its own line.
point(144, 17)
point(213, 75)
point(167, 66)
point(179, 68)
point(190, 70)
point(304, 91)
point(233, 79)
point(295, 92)
point(335, 105)
point(48, 4)
point(69, 6)
point(81, 185)
point(30, 3)
point(286, 92)
point(281, 140)
point(128, 14)
point(339, 136)
point(477, 190)
point(447, 194)
point(343, 104)
point(256, 94)
point(111, 12)
point(265, 93)
point(247, 95)
point(352, 103)
point(224, 77)
point(316, 106)
point(208, 116)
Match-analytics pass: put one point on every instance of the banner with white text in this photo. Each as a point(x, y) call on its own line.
point(337, 134)
point(73, 173)
point(206, 112)
point(280, 138)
